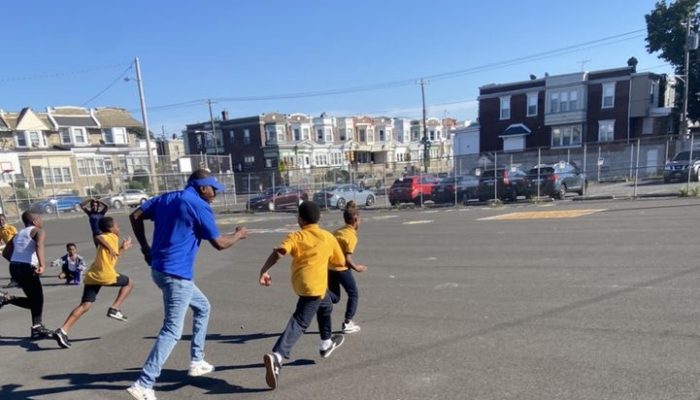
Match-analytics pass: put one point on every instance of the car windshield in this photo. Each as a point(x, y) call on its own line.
point(685, 155)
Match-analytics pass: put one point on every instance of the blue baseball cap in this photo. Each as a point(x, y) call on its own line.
point(208, 181)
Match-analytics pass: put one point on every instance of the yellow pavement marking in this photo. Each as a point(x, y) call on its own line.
point(542, 215)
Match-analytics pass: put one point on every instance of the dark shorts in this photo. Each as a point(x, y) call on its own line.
point(90, 291)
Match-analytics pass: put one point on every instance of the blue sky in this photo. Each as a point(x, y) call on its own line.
point(66, 53)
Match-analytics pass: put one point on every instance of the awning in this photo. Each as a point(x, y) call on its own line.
point(516, 130)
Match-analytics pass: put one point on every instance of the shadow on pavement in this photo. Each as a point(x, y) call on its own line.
point(229, 339)
point(32, 345)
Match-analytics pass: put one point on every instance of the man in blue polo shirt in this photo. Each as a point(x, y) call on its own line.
point(182, 219)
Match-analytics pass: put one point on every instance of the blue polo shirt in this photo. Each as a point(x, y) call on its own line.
point(182, 220)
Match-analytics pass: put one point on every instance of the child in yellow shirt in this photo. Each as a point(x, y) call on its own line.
point(312, 249)
point(341, 274)
point(101, 273)
point(7, 232)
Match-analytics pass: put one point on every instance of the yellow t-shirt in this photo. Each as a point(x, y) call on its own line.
point(347, 239)
point(102, 271)
point(312, 249)
point(7, 232)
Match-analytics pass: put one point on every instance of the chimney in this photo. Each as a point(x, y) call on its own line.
point(224, 115)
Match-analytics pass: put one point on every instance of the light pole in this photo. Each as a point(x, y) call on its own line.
point(424, 141)
point(691, 43)
point(151, 162)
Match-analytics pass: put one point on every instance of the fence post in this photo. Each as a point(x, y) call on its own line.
point(598, 163)
point(233, 179)
point(636, 171)
point(495, 176)
point(420, 180)
point(690, 164)
point(539, 163)
point(585, 176)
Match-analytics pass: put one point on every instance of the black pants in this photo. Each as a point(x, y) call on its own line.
point(23, 274)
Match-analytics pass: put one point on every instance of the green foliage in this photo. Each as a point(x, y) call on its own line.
point(136, 184)
point(666, 35)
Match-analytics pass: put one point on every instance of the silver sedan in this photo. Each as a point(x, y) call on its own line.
point(339, 195)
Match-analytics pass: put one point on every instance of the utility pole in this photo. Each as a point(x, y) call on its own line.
point(151, 162)
point(684, 115)
point(216, 138)
point(424, 141)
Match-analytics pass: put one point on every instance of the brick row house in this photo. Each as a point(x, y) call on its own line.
point(566, 111)
point(70, 149)
point(302, 142)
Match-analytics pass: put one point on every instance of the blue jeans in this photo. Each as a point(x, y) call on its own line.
point(178, 295)
point(336, 279)
point(301, 319)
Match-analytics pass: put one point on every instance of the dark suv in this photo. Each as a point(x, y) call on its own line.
point(509, 184)
point(677, 169)
point(411, 189)
point(557, 179)
point(279, 197)
point(464, 186)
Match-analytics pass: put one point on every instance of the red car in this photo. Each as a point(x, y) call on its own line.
point(412, 189)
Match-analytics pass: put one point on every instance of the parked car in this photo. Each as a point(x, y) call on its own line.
point(367, 181)
point(279, 197)
point(411, 189)
point(677, 168)
point(60, 203)
point(338, 196)
point(129, 197)
point(557, 179)
point(465, 186)
point(510, 183)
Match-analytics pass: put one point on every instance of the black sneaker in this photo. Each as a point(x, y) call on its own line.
point(4, 298)
point(272, 370)
point(116, 314)
point(40, 332)
point(336, 341)
point(61, 338)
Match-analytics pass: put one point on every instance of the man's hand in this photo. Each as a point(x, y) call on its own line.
point(265, 279)
point(242, 232)
point(126, 245)
point(360, 268)
point(39, 270)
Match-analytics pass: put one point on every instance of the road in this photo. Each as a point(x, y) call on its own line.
point(599, 301)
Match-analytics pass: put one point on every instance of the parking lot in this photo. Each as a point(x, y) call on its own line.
point(564, 300)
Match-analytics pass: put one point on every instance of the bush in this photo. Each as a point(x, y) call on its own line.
point(136, 185)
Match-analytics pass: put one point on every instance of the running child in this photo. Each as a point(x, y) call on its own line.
point(101, 273)
point(72, 265)
point(312, 249)
point(27, 262)
point(7, 232)
point(341, 274)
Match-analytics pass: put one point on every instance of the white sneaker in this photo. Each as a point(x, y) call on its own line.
point(350, 327)
point(141, 393)
point(199, 368)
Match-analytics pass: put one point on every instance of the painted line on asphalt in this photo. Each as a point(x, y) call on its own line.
point(527, 215)
point(425, 221)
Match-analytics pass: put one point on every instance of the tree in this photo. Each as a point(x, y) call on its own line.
point(666, 34)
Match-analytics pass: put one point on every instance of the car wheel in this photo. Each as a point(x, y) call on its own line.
point(48, 210)
point(271, 206)
point(117, 204)
point(561, 192)
point(340, 204)
point(370, 201)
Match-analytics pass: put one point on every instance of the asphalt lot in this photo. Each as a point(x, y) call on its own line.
point(454, 305)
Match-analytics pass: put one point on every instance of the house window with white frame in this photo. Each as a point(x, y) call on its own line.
point(382, 137)
point(608, 100)
point(114, 136)
point(37, 139)
point(363, 135)
point(531, 104)
point(505, 107)
point(319, 135)
point(554, 103)
point(573, 100)
point(341, 134)
point(21, 139)
point(329, 135)
point(564, 101)
point(370, 135)
point(305, 134)
point(606, 130)
point(249, 161)
point(281, 136)
point(297, 134)
point(566, 136)
point(79, 135)
point(57, 175)
point(65, 136)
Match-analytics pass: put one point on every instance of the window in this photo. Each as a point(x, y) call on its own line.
point(114, 136)
point(305, 134)
point(573, 100)
point(270, 136)
point(554, 103)
point(281, 136)
point(21, 139)
point(370, 136)
point(56, 175)
point(564, 102)
point(65, 136)
point(505, 107)
point(382, 137)
point(363, 135)
point(79, 135)
point(531, 104)
point(608, 95)
point(647, 126)
point(246, 136)
point(432, 135)
point(606, 130)
point(329, 136)
point(249, 161)
point(94, 166)
point(297, 135)
point(268, 163)
point(37, 139)
point(341, 134)
point(319, 135)
point(566, 136)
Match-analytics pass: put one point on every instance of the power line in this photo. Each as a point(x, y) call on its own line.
point(405, 82)
point(117, 79)
point(60, 74)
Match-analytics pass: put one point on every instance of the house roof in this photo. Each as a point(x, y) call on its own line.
point(27, 120)
point(110, 117)
point(516, 130)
